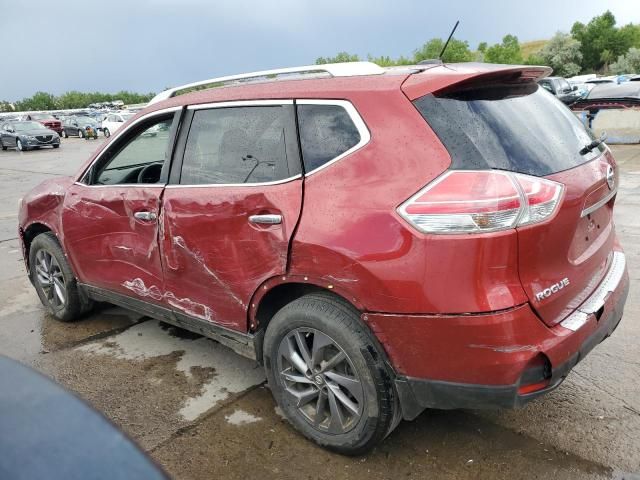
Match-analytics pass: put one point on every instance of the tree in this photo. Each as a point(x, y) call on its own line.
point(339, 58)
point(562, 53)
point(601, 42)
point(507, 52)
point(457, 51)
point(388, 61)
point(74, 99)
point(39, 101)
point(628, 63)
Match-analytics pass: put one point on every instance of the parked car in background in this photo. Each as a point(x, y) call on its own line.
point(76, 126)
point(601, 80)
point(582, 88)
point(114, 121)
point(25, 135)
point(561, 88)
point(624, 77)
point(45, 119)
point(476, 265)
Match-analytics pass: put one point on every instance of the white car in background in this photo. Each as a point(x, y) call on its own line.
point(114, 121)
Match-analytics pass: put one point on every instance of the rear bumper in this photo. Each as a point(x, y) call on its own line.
point(478, 361)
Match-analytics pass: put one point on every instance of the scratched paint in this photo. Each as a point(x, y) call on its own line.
point(187, 305)
point(197, 256)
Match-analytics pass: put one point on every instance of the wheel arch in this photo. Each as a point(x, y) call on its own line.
point(29, 233)
point(277, 292)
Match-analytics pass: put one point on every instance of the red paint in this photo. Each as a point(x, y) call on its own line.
point(214, 256)
point(488, 349)
point(438, 303)
point(567, 245)
point(106, 245)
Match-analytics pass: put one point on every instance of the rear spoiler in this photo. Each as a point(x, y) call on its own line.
point(464, 75)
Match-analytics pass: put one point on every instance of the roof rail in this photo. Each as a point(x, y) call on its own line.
point(346, 69)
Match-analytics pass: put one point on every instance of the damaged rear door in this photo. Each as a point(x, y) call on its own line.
point(234, 199)
point(110, 217)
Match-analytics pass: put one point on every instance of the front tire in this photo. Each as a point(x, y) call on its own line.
point(56, 145)
point(81, 133)
point(328, 375)
point(19, 146)
point(106, 132)
point(54, 281)
point(65, 134)
point(4, 147)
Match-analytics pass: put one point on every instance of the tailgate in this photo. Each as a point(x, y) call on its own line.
point(562, 261)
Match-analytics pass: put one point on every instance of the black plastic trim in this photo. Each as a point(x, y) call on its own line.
point(241, 343)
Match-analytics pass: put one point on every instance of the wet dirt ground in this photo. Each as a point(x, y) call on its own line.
point(202, 411)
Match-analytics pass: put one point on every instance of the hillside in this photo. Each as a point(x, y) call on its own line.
point(531, 47)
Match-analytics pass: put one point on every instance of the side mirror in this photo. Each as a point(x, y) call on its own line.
point(75, 124)
point(575, 87)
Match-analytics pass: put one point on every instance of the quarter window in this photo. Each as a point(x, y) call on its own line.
point(236, 145)
point(326, 131)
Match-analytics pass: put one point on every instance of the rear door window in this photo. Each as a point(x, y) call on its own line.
point(238, 145)
point(326, 132)
point(516, 128)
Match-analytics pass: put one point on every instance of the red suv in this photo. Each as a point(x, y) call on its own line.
point(383, 240)
point(47, 120)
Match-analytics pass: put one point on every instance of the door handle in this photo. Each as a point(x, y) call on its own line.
point(146, 216)
point(268, 219)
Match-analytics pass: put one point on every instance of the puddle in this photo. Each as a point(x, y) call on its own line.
point(233, 374)
point(240, 417)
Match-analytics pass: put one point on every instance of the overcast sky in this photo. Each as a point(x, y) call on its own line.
point(146, 45)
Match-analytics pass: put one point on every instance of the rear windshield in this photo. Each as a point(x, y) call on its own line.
point(521, 128)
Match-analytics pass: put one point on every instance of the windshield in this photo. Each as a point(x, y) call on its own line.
point(127, 116)
point(517, 128)
point(24, 126)
point(84, 120)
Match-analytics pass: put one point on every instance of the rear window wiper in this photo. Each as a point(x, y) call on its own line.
point(596, 143)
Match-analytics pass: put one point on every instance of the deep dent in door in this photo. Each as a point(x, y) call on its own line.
point(214, 259)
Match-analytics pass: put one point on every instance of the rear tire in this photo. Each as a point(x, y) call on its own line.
point(2, 145)
point(54, 281)
point(65, 134)
point(347, 405)
point(106, 132)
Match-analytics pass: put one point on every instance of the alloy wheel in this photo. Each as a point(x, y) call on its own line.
point(50, 278)
point(19, 145)
point(320, 380)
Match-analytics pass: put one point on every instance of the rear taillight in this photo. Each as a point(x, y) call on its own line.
point(469, 201)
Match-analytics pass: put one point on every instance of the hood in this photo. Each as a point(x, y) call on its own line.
point(37, 131)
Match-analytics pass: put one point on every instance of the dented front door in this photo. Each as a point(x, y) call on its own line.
point(111, 237)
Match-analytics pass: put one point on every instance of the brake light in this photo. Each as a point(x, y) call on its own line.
point(470, 201)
